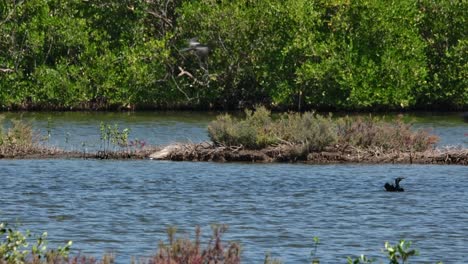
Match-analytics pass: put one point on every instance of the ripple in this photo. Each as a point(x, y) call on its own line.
point(279, 208)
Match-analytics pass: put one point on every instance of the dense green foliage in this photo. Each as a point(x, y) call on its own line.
point(309, 132)
point(297, 54)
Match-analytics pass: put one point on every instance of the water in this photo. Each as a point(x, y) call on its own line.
point(79, 131)
point(125, 206)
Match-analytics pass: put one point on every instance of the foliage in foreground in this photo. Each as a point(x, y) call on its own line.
point(308, 132)
point(180, 250)
point(15, 249)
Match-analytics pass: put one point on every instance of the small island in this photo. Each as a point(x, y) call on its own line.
point(313, 138)
point(259, 136)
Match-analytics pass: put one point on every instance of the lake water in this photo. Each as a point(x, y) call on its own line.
point(126, 206)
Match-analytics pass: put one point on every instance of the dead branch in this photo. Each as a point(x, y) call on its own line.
point(184, 72)
point(6, 70)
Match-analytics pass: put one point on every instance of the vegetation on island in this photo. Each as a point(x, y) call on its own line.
point(20, 139)
point(16, 247)
point(297, 55)
point(309, 132)
point(258, 137)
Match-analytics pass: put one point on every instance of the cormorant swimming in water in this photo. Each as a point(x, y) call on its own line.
point(394, 188)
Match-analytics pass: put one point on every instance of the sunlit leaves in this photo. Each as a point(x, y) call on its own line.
point(297, 54)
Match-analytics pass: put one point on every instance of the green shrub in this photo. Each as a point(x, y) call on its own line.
point(15, 248)
point(309, 132)
point(312, 131)
point(255, 131)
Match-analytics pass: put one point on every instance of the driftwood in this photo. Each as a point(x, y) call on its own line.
point(280, 153)
point(286, 153)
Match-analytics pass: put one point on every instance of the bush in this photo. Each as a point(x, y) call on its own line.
point(255, 131)
point(374, 133)
point(18, 139)
point(309, 132)
point(314, 132)
point(14, 248)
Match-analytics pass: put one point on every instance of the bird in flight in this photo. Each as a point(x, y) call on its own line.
point(200, 50)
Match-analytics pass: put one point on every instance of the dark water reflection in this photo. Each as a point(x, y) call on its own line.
point(125, 206)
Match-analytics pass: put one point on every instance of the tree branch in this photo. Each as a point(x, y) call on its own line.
point(6, 70)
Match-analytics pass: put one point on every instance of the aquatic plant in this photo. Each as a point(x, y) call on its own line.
point(16, 248)
point(401, 251)
point(111, 138)
point(269, 260)
point(313, 253)
point(359, 260)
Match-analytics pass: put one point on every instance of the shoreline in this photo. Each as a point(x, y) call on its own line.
point(208, 152)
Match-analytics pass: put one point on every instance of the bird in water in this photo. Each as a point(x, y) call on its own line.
point(394, 188)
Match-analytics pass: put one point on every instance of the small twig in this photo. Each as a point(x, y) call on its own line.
point(180, 89)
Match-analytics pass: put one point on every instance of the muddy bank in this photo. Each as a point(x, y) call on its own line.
point(209, 152)
point(54, 153)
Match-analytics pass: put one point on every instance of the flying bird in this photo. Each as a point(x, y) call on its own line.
point(200, 50)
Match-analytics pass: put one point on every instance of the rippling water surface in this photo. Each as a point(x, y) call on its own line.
point(79, 130)
point(125, 206)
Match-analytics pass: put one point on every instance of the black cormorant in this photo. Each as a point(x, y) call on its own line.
point(394, 188)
